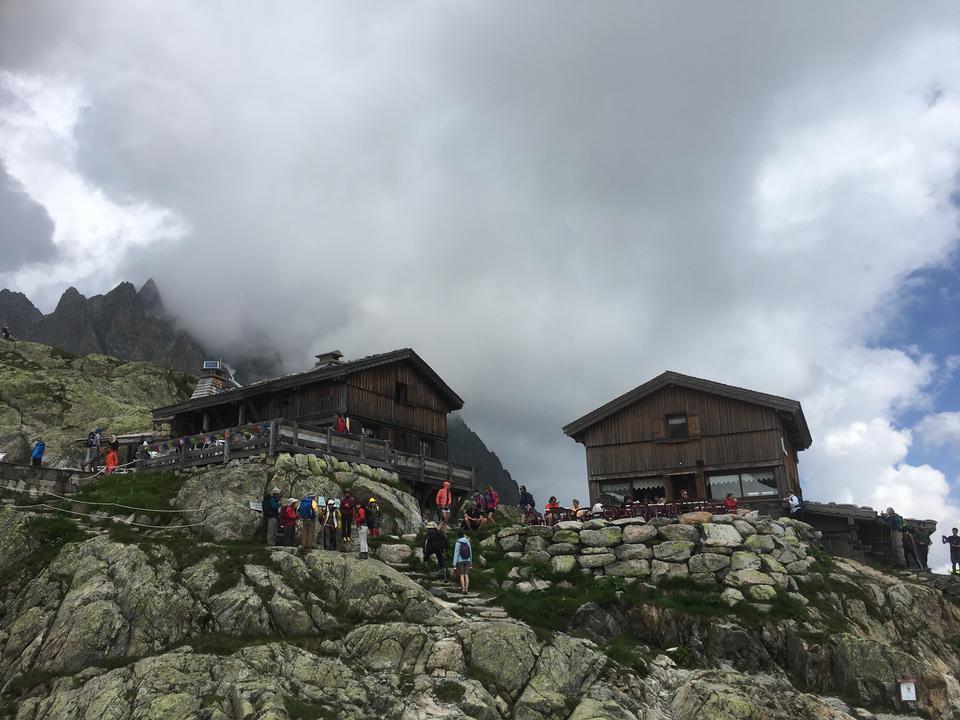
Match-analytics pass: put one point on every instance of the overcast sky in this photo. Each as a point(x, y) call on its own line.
point(551, 202)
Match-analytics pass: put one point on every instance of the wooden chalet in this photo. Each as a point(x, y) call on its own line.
point(397, 407)
point(678, 432)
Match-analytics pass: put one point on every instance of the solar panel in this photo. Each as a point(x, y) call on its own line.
point(211, 364)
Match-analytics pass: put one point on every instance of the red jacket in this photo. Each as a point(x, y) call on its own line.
point(360, 515)
point(444, 496)
point(288, 516)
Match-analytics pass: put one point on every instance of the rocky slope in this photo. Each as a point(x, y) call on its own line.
point(123, 323)
point(45, 391)
point(164, 624)
point(466, 448)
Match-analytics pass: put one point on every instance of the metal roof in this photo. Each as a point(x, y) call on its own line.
point(321, 374)
point(789, 409)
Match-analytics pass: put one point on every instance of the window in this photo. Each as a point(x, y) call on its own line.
point(614, 492)
point(401, 393)
point(758, 483)
point(719, 485)
point(677, 427)
point(748, 484)
point(426, 448)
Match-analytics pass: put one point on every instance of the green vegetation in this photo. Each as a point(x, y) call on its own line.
point(298, 710)
point(449, 692)
point(48, 536)
point(629, 652)
point(151, 491)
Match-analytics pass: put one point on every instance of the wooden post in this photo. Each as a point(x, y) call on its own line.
point(271, 448)
point(240, 415)
point(421, 464)
point(183, 456)
point(329, 441)
point(296, 432)
point(226, 446)
point(362, 455)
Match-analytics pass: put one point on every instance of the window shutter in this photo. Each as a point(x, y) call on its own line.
point(659, 429)
point(693, 425)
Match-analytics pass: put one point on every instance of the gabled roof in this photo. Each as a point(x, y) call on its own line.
point(321, 374)
point(789, 410)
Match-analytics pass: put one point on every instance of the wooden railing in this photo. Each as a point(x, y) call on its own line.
point(15, 477)
point(641, 510)
point(278, 436)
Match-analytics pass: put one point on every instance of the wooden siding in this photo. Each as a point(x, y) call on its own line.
point(371, 395)
point(724, 432)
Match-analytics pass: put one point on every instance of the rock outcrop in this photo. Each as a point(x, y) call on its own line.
point(46, 392)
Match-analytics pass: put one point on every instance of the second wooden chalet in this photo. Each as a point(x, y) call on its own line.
point(678, 432)
point(397, 407)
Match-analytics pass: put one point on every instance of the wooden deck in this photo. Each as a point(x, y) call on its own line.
point(286, 436)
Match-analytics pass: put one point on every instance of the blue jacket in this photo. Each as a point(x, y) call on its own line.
point(456, 551)
point(38, 449)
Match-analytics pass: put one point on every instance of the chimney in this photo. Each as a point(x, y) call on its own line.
point(328, 358)
point(216, 377)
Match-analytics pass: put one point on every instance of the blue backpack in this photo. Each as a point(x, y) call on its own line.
point(306, 508)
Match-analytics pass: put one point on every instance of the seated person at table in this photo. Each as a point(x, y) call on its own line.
point(551, 510)
point(578, 512)
point(684, 496)
point(730, 503)
point(473, 518)
point(597, 511)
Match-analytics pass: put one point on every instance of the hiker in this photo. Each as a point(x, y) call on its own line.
point(462, 557)
point(288, 522)
point(339, 425)
point(526, 504)
point(111, 461)
point(332, 522)
point(5, 333)
point(551, 510)
point(92, 457)
point(360, 517)
point(473, 517)
point(36, 455)
point(795, 507)
point(954, 542)
point(444, 504)
point(435, 545)
point(596, 513)
point(730, 504)
point(374, 517)
point(308, 517)
point(271, 513)
point(578, 512)
point(492, 500)
point(684, 496)
point(347, 507)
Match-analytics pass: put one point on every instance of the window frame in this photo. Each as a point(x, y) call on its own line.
point(686, 426)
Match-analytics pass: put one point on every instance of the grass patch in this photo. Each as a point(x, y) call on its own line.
point(449, 692)
point(49, 535)
point(148, 490)
point(299, 710)
point(626, 651)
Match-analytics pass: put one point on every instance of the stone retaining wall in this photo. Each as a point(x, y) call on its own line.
point(747, 555)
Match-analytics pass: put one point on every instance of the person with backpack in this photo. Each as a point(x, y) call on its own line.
point(360, 518)
point(374, 517)
point(36, 455)
point(271, 513)
point(93, 451)
point(347, 507)
point(308, 519)
point(332, 521)
point(444, 500)
point(435, 545)
point(462, 559)
point(953, 541)
point(288, 522)
point(526, 503)
point(491, 500)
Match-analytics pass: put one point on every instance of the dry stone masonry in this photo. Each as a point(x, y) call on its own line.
point(747, 556)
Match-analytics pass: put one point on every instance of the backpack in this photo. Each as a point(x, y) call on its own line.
point(92, 440)
point(481, 502)
point(347, 505)
point(306, 508)
point(464, 551)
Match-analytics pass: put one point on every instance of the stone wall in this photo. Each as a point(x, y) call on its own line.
point(747, 555)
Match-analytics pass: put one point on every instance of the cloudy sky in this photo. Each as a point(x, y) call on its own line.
point(552, 202)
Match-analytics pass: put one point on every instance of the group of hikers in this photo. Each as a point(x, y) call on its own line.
point(95, 452)
point(332, 520)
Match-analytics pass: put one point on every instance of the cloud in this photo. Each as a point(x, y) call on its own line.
point(552, 205)
point(25, 236)
point(940, 429)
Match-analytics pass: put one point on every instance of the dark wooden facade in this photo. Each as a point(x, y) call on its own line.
point(394, 396)
point(677, 432)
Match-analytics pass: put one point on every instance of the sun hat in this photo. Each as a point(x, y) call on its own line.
point(331, 502)
point(373, 499)
point(292, 501)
